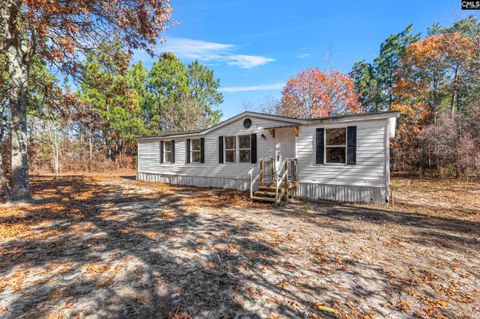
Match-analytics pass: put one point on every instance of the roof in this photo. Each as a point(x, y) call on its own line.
point(190, 132)
point(353, 117)
point(281, 126)
point(289, 121)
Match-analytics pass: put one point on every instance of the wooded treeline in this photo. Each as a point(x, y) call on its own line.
point(432, 80)
point(91, 125)
point(38, 37)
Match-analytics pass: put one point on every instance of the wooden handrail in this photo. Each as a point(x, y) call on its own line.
point(262, 165)
point(289, 165)
point(252, 181)
point(260, 175)
point(280, 179)
point(279, 182)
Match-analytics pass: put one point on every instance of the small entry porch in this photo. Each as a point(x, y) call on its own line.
point(277, 177)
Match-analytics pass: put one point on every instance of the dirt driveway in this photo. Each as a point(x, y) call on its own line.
point(116, 248)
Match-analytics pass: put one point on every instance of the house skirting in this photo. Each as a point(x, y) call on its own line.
point(200, 181)
point(342, 193)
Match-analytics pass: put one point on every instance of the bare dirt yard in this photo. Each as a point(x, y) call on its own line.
point(112, 247)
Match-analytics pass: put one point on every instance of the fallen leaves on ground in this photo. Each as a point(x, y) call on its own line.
point(121, 248)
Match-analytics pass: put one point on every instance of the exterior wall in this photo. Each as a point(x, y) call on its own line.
point(363, 182)
point(149, 153)
point(367, 181)
point(370, 164)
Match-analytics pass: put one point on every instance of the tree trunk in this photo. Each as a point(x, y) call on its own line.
point(56, 152)
point(18, 67)
point(90, 147)
point(19, 179)
point(454, 101)
point(3, 179)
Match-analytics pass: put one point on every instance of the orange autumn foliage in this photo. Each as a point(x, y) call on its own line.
point(428, 74)
point(435, 48)
point(313, 93)
point(423, 77)
point(61, 28)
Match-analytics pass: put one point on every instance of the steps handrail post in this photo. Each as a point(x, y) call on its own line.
point(296, 169)
point(286, 180)
point(251, 183)
point(273, 167)
point(262, 166)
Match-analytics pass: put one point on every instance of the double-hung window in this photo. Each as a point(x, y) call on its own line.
point(244, 148)
point(335, 145)
point(196, 151)
point(168, 151)
point(230, 149)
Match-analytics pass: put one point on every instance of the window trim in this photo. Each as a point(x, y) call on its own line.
point(165, 152)
point(199, 151)
point(326, 146)
point(245, 149)
point(225, 149)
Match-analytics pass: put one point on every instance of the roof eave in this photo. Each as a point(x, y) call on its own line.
point(292, 121)
point(354, 117)
point(227, 121)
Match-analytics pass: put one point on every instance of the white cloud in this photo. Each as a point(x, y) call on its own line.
point(264, 87)
point(196, 49)
point(248, 61)
point(212, 51)
point(304, 55)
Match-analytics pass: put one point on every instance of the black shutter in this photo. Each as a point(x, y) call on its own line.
point(173, 151)
point(319, 149)
point(187, 152)
point(253, 148)
point(202, 150)
point(161, 151)
point(352, 145)
point(220, 149)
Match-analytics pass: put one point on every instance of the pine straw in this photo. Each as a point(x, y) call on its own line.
point(113, 247)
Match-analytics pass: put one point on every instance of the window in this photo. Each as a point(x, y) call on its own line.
point(230, 149)
point(335, 146)
point(196, 151)
point(168, 151)
point(244, 145)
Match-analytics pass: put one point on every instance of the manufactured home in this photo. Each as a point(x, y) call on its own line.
point(341, 158)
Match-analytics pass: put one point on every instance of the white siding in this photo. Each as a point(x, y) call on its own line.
point(370, 167)
point(149, 152)
point(365, 181)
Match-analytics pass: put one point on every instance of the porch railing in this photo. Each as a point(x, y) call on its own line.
point(281, 177)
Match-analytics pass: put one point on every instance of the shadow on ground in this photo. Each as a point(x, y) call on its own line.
point(118, 249)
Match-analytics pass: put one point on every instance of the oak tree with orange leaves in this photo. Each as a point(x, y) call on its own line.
point(62, 32)
point(313, 93)
point(433, 69)
point(431, 77)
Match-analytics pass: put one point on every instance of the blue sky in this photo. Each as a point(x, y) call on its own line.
point(254, 47)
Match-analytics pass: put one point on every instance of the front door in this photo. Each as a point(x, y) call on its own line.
point(285, 146)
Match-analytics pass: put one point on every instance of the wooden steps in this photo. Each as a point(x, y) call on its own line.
point(272, 186)
point(268, 195)
point(263, 199)
point(267, 192)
